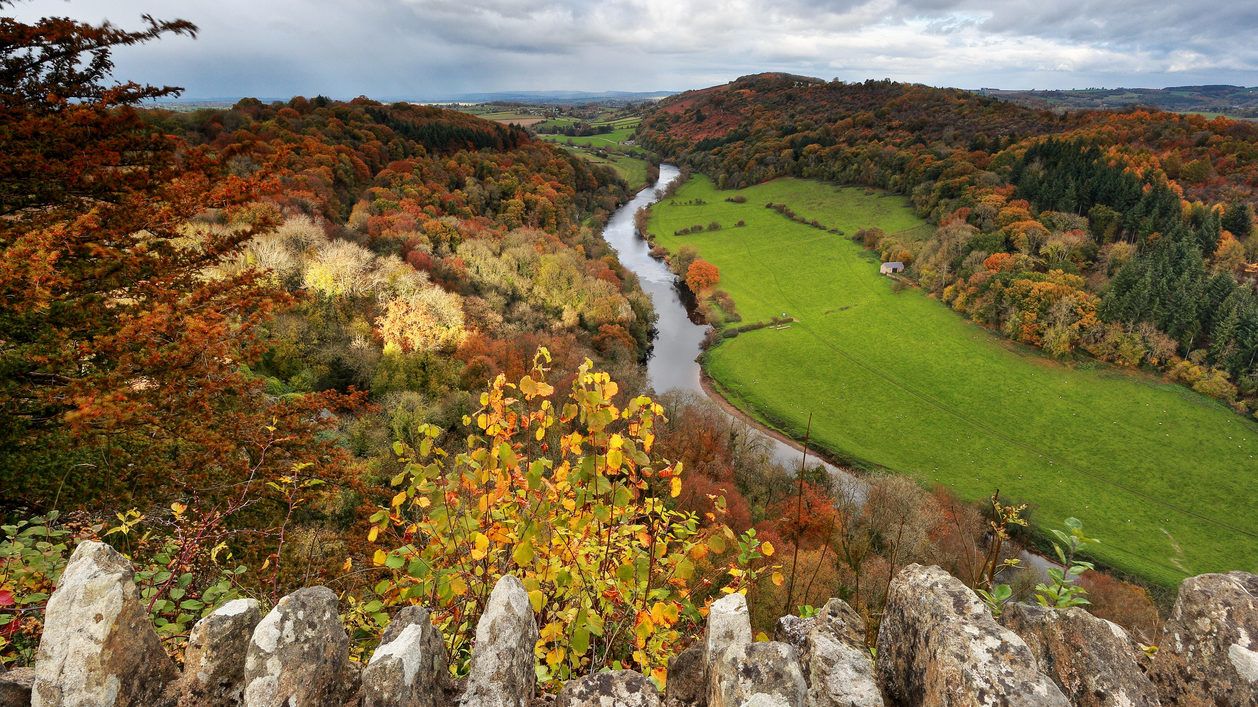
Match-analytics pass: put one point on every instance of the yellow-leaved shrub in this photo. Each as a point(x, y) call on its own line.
point(567, 497)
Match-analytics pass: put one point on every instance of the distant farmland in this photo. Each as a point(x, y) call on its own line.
point(609, 149)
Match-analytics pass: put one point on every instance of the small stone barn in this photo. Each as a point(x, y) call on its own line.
point(891, 268)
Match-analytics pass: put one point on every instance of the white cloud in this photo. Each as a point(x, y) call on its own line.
point(431, 48)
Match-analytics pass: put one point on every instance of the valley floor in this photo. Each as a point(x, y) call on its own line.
point(1163, 476)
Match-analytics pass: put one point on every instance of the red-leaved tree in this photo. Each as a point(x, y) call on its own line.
point(702, 276)
point(122, 363)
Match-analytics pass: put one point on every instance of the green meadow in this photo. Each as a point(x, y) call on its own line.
point(608, 149)
point(631, 169)
point(1166, 478)
point(622, 130)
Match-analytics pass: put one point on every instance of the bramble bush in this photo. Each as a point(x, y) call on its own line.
point(567, 497)
point(182, 569)
point(33, 552)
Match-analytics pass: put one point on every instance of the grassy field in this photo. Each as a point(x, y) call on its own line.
point(631, 169)
point(622, 132)
point(616, 152)
point(510, 117)
point(1166, 478)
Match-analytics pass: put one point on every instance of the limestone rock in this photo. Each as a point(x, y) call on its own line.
point(214, 662)
point(729, 626)
point(617, 688)
point(939, 645)
point(502, 671)
point(762, 700)
point(792, 630)
point(770, 669)
point(1209, 649)
point(841, 621)
point(15, 687)
point(1092, 660)
point(299, 654)
point(98, 647)
point(410, 668)
point(687, 675)
point(836, 663)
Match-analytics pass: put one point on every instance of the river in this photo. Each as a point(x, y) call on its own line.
point(674, 361)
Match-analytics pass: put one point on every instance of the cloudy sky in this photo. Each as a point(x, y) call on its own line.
point(431, 49)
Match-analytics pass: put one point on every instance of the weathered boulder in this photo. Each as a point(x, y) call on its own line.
point(687, 677)
point(214, 662)
point(792, 630)
point(1209, 649)
point(939, 645)
point(98, 646)
point(770, 669)
point(15, 687)
point(410, 668)
point(616, 688)
point(729, 626)
point(502, 671)
point(1092, 660)
point(762, 700)
point(836, 663)
point(299, 654)
point(842, 622)
point(736, 669)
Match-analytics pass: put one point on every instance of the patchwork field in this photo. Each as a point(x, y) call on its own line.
point(622, 131)
point(631, 169)
point(524, 120)
point(608, 149)
point(1166, 478)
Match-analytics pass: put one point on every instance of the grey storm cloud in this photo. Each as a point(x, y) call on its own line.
point(440, 48)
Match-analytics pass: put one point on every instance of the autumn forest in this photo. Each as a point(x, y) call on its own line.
point(385, 347)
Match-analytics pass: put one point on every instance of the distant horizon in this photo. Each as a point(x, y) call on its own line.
point(441, 49)
point(470, 96)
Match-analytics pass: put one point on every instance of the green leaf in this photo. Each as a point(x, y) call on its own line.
point(580, 640)
point(418, 569)
point(506, 455)
point(537, 467)
point(623, 497)
point(1061, 556)
point(523, 553)
point(595, 623)
point(602, 512)
point(685, 568)
point(716, 544)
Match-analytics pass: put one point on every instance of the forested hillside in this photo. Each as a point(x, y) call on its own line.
point(418, 251)
point(221, 328)
point(1123, 236)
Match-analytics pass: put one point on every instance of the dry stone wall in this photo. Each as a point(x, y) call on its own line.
point(938, 645)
